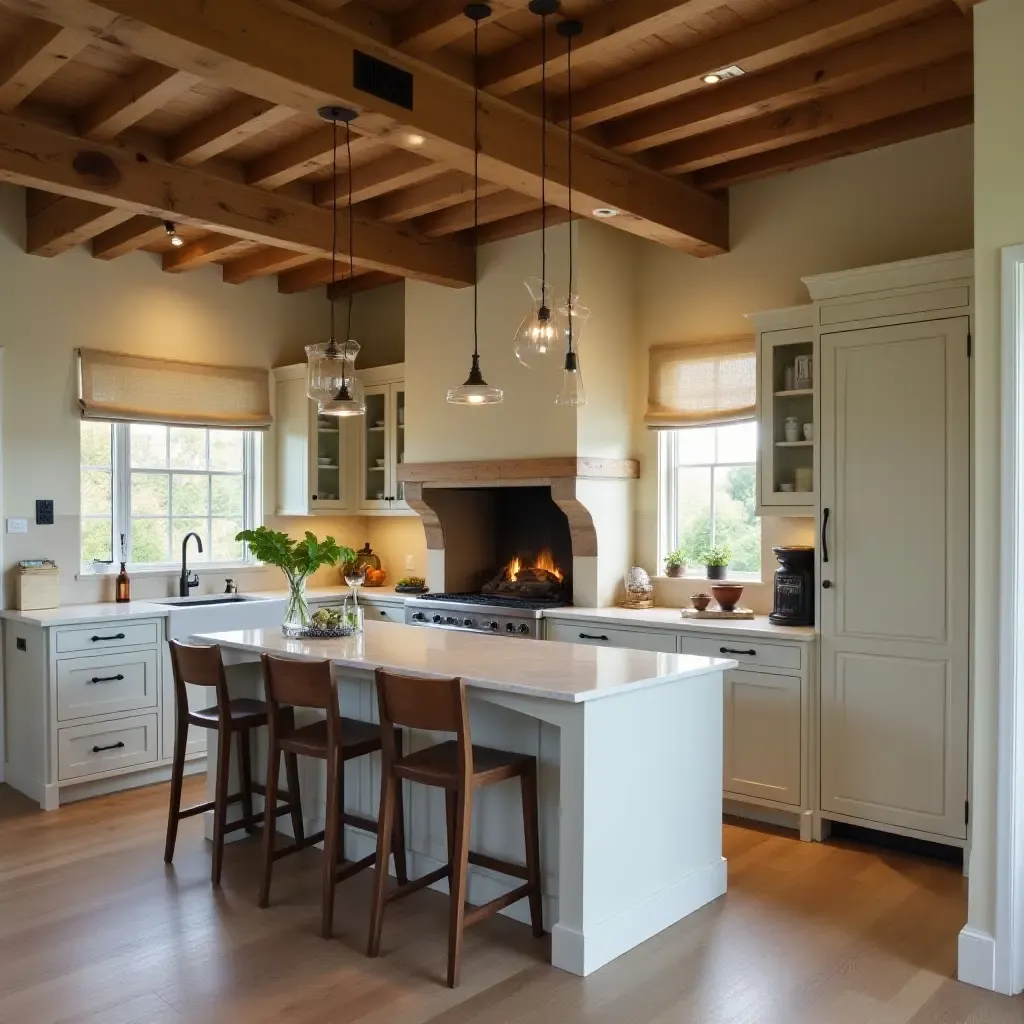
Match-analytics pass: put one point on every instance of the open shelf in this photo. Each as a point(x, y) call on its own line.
point(798, 393)
point(794, 444)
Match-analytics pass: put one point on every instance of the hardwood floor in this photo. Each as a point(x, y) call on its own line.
point(95, 930)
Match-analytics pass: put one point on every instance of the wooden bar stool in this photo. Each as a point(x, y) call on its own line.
point(458, 767)
point(203, 666)
point(309, 684)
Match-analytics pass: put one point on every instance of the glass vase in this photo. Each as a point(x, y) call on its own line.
point(296, 612)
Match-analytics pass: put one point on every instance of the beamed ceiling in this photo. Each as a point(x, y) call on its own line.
point(119, 114)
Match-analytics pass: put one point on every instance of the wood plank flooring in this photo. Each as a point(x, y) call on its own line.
point(95, 930)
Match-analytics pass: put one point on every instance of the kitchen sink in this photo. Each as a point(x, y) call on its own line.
point(218, 613)
point(205, 599)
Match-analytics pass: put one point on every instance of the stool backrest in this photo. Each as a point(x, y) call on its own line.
point(301, 684)
point(197, 666)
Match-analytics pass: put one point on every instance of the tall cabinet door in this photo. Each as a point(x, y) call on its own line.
point(894, 575)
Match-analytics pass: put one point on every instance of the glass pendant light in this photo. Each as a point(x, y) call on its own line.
point(538, 339)
point(330, 376)
point(476, 390)
point(571, 392)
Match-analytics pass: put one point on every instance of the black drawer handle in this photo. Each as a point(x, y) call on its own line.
point(112, 746)
point(116, 636)
point(107, 679)
point(734, 650)
point(383, 611)
point(593, 636)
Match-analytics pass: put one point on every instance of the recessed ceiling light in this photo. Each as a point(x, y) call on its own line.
point(605, 212)
point(714, 77)
point(415, 140)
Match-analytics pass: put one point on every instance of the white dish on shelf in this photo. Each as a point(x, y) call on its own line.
point(378, 423)
point(380, 463)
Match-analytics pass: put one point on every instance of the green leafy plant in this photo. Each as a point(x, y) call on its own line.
point(294, 557)
point(675, 558)
point(716, 556)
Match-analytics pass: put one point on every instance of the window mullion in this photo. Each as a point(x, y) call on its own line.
point(122, 491)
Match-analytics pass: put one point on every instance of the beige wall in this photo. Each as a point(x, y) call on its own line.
point(909, 200)
point(378, 324)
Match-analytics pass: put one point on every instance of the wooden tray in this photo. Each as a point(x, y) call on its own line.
point(717, 613)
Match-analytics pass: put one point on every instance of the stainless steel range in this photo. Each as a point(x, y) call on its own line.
point(480, 613)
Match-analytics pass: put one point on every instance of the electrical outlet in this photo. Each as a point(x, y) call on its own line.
point(44, 511)
point(17, 526)
point(410, 562)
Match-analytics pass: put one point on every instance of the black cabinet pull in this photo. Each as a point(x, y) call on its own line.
point(593, 636)
point(112, 746)
point(116, 636)
point(736, 650)
point(107, 679)
point(824, 534)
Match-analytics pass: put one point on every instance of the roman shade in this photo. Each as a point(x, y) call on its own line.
point(114, 386)
point(701, 384)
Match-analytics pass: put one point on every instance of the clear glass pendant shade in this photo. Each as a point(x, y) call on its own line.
point(331, 380)
point(539, 338)
point(571, 392)
point(476, 390)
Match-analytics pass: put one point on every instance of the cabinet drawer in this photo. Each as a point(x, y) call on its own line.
point(105, 746)
point(383, 612)
point(744, 650)
point(608, 636)
point(107, 684)
point(105, 635)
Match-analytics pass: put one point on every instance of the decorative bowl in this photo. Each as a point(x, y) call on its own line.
point(727, 595)
point(380, 462)
point(700, 601)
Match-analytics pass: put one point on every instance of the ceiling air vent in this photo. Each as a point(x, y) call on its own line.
point(383, 80)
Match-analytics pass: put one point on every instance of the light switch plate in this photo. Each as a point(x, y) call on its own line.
point(17, 526)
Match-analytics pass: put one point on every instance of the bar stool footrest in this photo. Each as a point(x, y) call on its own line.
point(415, 884)
point(349, 868)
point(499, 903)
point(504, 867)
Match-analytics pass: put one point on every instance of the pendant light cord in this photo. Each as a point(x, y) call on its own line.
point(569, 128)
point(476, 186)
point(351, 246)
point(332, 344)
point(543, 161)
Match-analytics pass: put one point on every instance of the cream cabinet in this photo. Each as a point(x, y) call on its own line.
point(381, 445)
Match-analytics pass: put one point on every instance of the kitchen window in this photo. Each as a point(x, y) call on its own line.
point(155, 483)
point(707, 482)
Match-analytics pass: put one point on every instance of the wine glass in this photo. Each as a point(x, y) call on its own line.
point(355, 577)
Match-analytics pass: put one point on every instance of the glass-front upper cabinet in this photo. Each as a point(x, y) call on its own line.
point(398, 400)
point(331, 473)
point(382, 449)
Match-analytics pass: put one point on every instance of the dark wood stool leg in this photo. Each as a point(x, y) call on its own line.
point(399, 844)
point(269, 822)
point(532, 838)
point(177, 774)
point(220, 803)
point(332, 829)
point(450, 808)
point(458, 885)
point(245, 777)
point(385, 823)
point(291, 768)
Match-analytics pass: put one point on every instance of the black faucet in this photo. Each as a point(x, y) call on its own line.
point(188, 581)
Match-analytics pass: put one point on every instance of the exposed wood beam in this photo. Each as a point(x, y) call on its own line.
point(200, 252)
point(450, 189)
point(793, 33)
point(431, 24)
point(617, 25)
point(339, 290)
point(398, 169)
point(459, 218)
point(299, 158)
point(133, 99)
point(262, 263)
point(39, 156)
point(312, 274)
point(65, 223)
point(299, 59)
point(809, 78)
point(225, 128)
point(521, 224)
point(40, 51)
point(940, 118)
point(135, 233)
point(967, 5)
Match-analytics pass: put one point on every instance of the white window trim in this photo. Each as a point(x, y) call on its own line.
point(668, 500)
point(121, 470)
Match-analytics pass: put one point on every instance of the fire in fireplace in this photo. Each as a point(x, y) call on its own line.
point(536, 578)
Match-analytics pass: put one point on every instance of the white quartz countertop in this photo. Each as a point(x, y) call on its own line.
point(81, 614)
point(533, 668)
point(670, 618)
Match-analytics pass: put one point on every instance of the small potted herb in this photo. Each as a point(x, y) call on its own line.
point(717, 562)
point(675, 562)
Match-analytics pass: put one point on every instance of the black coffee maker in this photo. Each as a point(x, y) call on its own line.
point(794, 587)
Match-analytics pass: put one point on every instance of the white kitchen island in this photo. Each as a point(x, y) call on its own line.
point(629, 745)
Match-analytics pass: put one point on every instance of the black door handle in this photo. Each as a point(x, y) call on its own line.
point(824, 534)
point(116, 636)
point(826, 584)
point(107, 679)
point(593, 636)
point(733, 650)
point(112, 746)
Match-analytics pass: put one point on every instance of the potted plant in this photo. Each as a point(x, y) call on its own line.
point(675, 562)
point(717, 561)
point(298, 560)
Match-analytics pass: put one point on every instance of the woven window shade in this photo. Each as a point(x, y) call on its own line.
point(702, 384)
point(113, 386)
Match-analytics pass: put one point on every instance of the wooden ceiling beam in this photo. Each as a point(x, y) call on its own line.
point(297, 159)
point(262, 263)
point(200, 252)
point(939, 118)
point(398, 169)
point(312, 274)
point(887, 98)
point(38, 53)
point(301, 60)
point(967, 5)
point(520, 224)
point(460, 218)
point(429, 25)
point(339, 290)
point(450, 189)
point(615, 26)
point(785, 36)
point(40, 156)
point(133, 99)
point(808, 78)
point(241, 119)
point(61, 225)
point(135, 233)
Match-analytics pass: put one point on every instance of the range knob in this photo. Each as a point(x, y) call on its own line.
point(438, 619)
point(510, 627)
point(524, 628)
point(419, 617)
point(468, 623)
point(494, 626)
point(451, 621)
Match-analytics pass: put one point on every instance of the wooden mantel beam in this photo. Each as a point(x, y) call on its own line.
point(39, 156)
point(299, 59)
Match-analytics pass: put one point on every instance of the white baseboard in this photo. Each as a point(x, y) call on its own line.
point(584, 953)
point(976, 958)
point(131, 780)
